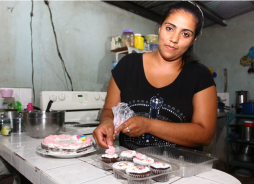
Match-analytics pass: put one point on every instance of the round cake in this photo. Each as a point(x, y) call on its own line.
point(121, 166)
point(143, 160)
point(127, 155)
point(159, 168)
point(138, 172)
point(66, 143)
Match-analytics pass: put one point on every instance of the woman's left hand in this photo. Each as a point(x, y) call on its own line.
point(134, 127)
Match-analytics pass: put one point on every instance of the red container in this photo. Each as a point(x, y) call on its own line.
point(249, 123)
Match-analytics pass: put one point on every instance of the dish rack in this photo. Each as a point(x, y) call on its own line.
point(191, 162)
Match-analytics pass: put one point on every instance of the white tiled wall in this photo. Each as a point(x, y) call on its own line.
point(23, 95)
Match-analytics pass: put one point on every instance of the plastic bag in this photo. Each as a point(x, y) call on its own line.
point(121, 114)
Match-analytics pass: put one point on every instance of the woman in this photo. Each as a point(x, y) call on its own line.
point(175, 99)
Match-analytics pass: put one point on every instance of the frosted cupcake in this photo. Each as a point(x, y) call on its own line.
point(138, 172)
point(121, 166)
point(109, 158)
point(110, 155)
point(143, 160)
point(159, 168)
point(127, 155)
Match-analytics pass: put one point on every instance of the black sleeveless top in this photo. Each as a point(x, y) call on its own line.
point(172, 103)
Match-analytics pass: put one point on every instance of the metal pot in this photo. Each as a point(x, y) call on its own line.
point(240, 97)
point(247, 133)
point(40, 124)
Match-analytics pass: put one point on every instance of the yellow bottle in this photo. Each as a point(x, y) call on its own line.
point(6, 127)
point(139, 42)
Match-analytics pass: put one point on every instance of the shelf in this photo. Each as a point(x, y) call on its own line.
point(120, 49)
point(241, 164)
point(241, 141)
point(229, 141)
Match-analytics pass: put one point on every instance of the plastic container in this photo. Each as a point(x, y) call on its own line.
point(173, 172)
point(249, 123)
point(6, 93)
point(152, 39)
point(191, 162)
point(139, 41)
point(30, 107)
point(248, 108)
point(127, 38)
point(153, 47)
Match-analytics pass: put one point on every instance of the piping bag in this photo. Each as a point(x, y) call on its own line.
point(122, 112)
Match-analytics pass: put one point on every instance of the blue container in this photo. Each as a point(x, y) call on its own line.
point(153, 47)
point(248, 108)
point(251, 53)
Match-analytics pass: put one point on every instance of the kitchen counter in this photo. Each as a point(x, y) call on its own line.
point(20, 151)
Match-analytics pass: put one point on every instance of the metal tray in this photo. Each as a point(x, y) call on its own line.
point(191, 162)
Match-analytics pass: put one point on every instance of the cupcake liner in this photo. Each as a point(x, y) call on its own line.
point(130, 159)
point(162, 178)
point(117, 174)
point(140, 175)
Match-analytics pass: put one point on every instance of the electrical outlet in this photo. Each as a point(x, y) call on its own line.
point(224, 97)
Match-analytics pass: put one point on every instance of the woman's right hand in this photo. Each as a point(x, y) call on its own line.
point(103, 134)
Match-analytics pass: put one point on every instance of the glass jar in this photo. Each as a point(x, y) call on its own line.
point(6, 127)
point(127, 38)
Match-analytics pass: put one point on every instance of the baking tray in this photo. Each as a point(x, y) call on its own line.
point(146, 180)
point(191, 162)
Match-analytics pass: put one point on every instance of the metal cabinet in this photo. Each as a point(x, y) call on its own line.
point(235, 143)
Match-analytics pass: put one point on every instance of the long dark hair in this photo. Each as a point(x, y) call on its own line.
point(192, 8)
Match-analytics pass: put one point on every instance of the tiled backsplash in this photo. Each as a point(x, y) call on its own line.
point(23, 95)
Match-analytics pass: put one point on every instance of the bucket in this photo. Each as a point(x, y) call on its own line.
point(248, 108)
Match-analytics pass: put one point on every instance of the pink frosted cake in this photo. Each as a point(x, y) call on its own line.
point(66, 143)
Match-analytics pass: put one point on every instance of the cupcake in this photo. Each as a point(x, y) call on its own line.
point(127, 155)
point(109, 158)
point(143, 160)
point(138, 172)
point(110, 155)
point(159, 168)
point(121, 166)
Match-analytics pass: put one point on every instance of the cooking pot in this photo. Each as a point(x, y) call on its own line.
point(240, 98)
point(40, 124)
point(248, 108)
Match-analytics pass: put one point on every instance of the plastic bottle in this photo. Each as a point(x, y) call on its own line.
point(30, 107)
point(6, 128)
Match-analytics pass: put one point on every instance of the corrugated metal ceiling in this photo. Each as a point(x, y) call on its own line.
point(215, 12)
